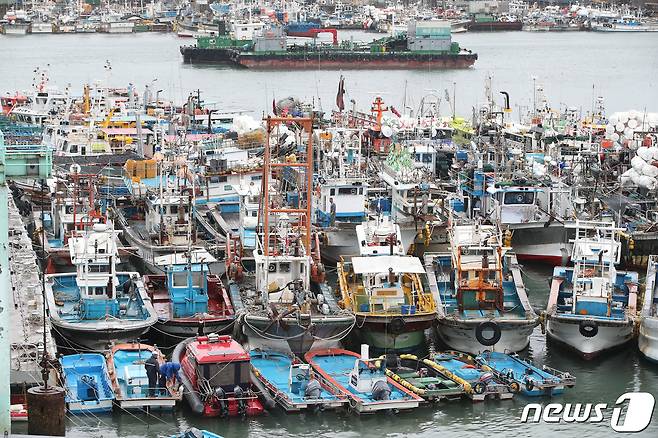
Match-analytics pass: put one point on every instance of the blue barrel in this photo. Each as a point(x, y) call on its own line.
point(461, 156)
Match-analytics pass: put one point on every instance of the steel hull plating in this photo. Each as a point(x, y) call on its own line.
point(375, 332)
point(611, 334)
point(354, 61)
point(289, 334)
point(460, 335)
point(647, 340)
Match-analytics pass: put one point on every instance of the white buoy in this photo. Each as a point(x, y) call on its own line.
point(632, 123)
point(614, 137)
point(619, 127)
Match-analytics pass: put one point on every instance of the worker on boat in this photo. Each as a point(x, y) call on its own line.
point(152, 368)
point(169, 373)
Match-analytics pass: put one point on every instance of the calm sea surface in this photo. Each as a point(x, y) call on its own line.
point(622, 68)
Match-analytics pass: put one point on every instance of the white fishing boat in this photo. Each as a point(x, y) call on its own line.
point(342, 180)
point(97, 305)
point(624, 24)
point(592, 306)
point(648, 335)
point(482, 301)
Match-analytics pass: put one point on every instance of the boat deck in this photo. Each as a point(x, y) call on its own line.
point(133, 381)
point(66, 295)
point(275, 368)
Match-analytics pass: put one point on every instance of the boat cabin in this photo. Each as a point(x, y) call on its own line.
point(387, 284)
point(169, 217)
point(379, 236)
point(477, 256)
point(217, 361)
point(350, 198)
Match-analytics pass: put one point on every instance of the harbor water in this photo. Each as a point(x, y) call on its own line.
point(622, 68)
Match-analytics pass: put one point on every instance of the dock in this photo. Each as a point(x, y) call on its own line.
point(27, 311)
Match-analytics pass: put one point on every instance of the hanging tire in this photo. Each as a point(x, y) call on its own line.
point(479, 388)
point(514, 387)
point(588, 329)
point(487, 341)
point(529, 386)
point(396, 326)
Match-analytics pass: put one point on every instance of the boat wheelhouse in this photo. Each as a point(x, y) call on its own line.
point(215, 373)
point(389, 297)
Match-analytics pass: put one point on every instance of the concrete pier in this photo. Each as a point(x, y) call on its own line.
point(26, 312)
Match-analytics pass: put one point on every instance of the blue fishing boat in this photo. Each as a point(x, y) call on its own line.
point(480, 382)
point(193, 432)
point(87, 383)
point(532, 380)
point(362, 380)
point(96, 305)
point(127, 371)
point(292, 383)
point(188, 298)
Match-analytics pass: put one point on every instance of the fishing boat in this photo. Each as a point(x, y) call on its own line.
point(648, 335)
point(87, 383)
point(216, 377)
point(343, 183)
point(362, 380)
point(167, 226)
point(127, 371)
point(96, 304)
point(422, 379)
point(289, 305)
point(479, 382)
point(482, 301)
point(386, 293)
point(188, 298)
point(193, 432)
point(292, 383)
point(532, 380)
point(592, 307)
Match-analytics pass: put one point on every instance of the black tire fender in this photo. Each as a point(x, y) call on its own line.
point(488, 325)
point(396, 326)
point(588, 328)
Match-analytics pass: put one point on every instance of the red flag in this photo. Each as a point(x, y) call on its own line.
point(339, 96)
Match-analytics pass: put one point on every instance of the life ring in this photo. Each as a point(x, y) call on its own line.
point(588, 329)
point(488, 325)
point(479, 388)
point(396, 325)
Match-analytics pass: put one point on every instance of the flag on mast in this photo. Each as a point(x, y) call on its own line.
point(340, 103)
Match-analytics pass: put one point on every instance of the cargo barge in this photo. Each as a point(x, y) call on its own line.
point(427, 44)
point(489, 23)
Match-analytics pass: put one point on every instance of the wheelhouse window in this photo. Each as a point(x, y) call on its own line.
point(519, 198)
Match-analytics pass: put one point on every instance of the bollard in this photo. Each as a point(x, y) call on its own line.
point(46, 411)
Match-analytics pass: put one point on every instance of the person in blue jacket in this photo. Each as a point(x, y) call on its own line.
point(169, 371)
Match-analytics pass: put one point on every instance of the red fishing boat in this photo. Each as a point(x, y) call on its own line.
point(8, 102)
point(215, 371)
